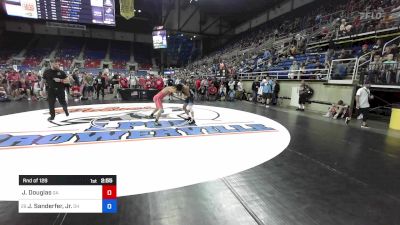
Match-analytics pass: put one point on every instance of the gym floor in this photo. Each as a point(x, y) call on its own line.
point(330, 174)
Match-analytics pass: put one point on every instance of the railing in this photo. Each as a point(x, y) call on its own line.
point(360, 64)
point(389, 42)
point(336, 62)
point(308, 74)
point(271, 37)
point(383, 73)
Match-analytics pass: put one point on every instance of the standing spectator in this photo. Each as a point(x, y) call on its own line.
point(231, 93)
point(191, 84)
point(3, 82)
point(277, 89)
point(239, 88)
point(159, 83)
point(178, 80)
point(13, 79)
point(3, 95)
point(90, 85)
point(148, 83)
point(30, 80)
point(170, 82)
point(165, 80)
point(362, 103)
point(133, 81)
point(115, 84)
point(254, 87)
point(304, 92)
point(100, 84)
point(267, 87)
point(142, 82)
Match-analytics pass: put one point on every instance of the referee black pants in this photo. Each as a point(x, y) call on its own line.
point(98, 90)
point(53, 94)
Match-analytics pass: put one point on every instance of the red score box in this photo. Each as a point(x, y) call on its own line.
point(109, 191)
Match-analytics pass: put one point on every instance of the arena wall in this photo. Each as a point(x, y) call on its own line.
point(324, 93)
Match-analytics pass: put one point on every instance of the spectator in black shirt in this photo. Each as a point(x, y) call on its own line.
point(100, 83)
point(115, 84)
point(254, 88)
point(56, 80)
point(170, 82)
point(276, 90)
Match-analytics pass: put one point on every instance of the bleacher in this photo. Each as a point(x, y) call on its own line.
point(95, 52)
point(39, 49)
point(181, 49)
point(11, 44)
point(120, 54)
point(69, 49)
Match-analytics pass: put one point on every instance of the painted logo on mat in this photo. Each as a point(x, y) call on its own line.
point(120, 139)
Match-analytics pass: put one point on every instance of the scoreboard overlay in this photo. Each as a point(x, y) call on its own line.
point(67, 194)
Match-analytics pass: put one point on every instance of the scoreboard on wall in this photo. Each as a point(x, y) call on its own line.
point(159, 37)
point(78, 11)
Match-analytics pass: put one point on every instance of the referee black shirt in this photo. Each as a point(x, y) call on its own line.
point(49, 76)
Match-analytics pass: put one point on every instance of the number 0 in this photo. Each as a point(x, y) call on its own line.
point(109, 192)
point(109, 206)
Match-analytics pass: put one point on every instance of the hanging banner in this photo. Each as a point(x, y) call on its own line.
point(127, 8)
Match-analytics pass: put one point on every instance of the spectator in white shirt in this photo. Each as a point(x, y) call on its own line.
point(293, 70)
point(362, 103)
point(239, 88)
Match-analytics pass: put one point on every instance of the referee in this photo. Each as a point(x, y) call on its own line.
point(56, 80)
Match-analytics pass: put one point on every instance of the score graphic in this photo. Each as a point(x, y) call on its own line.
point(109, 198)
point(67, 194)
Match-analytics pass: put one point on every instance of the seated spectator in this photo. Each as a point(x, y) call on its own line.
point(3, 81)
point(76, 92)
point(386, 22)
point(343, 54)
point(222, 92)
point(293, 71)
point(342, 28)
point(374, 69)
point(267, 54)
point(340, 71)
point(142, 82)
point(337, 110)
point(390, 70)
point(329, 55)
point(302, 72)
point(364, 50)
point(319, 70)
point(377, 47)
point(3, 95)
point(123, 82)
point(293, 50)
